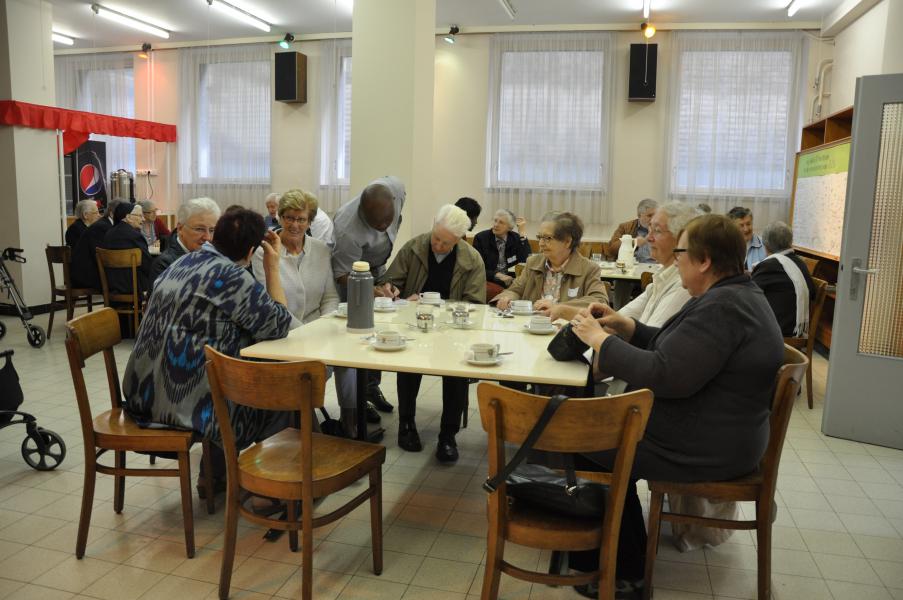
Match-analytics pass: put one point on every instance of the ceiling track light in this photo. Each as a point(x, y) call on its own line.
point(509, 8)
point(647, 6)
point(648, 30)
point(286, 41)
point(450, 36)
point(128, 21)
point(793, 7)
point(59, 38)
point(241, 15)
point(145, 50)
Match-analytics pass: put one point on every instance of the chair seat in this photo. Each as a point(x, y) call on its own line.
point(799, 343)
point(742, 489)
point(537, 528)
point(336, 463)
point(116, 430)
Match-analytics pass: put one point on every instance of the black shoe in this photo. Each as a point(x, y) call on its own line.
point(624, 590)
point(447, 449)
point(375, 396)
point(408, 438)
point(372, 415)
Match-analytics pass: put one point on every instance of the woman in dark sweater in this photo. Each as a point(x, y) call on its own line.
point(711, 367)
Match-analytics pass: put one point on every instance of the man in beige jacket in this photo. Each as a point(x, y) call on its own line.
point(438, 261)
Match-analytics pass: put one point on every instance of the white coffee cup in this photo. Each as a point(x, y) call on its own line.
point(484, 352)
point(522, 305)
point(342, 309)
point(540, 322)
point(389, 337)
point(382, 302)
point(431, 297)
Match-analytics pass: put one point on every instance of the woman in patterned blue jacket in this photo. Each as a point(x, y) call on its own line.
point(207, 297)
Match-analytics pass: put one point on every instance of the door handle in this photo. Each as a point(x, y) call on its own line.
point(858, 269)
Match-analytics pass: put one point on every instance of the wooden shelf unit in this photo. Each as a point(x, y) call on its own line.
point(835, 127)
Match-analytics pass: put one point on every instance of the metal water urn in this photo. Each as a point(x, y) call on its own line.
point(360, 298)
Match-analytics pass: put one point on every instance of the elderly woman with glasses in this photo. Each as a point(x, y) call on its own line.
point(305, 270)
point(711, 367)
point(559, 274)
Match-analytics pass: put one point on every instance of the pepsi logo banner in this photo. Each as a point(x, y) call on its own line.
point(90, 179)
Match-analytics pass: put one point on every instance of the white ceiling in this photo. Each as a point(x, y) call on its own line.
point(192, 20)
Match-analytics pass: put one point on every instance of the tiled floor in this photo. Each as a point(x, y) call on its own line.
point(839, 532)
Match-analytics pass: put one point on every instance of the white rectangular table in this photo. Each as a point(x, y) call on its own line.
point(622, 292)
point(440, 352)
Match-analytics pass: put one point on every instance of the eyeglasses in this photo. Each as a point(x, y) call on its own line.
point(201, 230)
point(544, 239)
point(657, 231)
point(298, 220)
point(677, 252)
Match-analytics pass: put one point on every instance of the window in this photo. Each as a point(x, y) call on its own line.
point(735, 114)
point(103, 84)
point(335, 122)
point(224, 135)
point(548, 117)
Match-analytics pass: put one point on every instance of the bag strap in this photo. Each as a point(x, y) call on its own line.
point(324, 413)
point(552, 405)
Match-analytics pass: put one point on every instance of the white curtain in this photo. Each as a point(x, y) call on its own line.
point(735, 112)
point(105, 84)
point(224, 130)
point(548, 129)
point(334, 155)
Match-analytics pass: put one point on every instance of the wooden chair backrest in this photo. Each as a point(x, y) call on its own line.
point(787, 384)
point(645, 279)
point(534, 245)
point(87, 335)
point(811, 263)
point(58, 255)
point(579, 425)
point(815, 310)
point(118, 259)
point(283, 386)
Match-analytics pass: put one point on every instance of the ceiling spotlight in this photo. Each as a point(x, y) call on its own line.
point(145, 49)
point(287, 41)
point(648, 30)
point(452, 32)
point(129, 21)
point(793, 7)
point(59, 38)
point(241, 15)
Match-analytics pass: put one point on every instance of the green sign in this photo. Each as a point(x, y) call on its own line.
point(835, 159)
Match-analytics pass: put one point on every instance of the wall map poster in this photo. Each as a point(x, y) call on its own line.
point(819, 199)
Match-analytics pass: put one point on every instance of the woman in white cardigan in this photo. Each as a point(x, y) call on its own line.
point(306, 272)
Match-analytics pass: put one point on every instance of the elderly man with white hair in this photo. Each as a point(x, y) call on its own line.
point(438, 261)
point(502, 247)
point(271, 220)
point(196, 221)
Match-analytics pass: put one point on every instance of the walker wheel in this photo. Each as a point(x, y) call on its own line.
point(2, 329)
point(45, 454)
point(36, 336)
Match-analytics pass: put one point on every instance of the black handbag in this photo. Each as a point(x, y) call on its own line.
point(545, 488)
point(567, 346)
point(330, 426)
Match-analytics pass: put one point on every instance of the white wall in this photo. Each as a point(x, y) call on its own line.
point(858, 51)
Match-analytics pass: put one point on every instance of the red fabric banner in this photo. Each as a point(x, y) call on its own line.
point(77, 125)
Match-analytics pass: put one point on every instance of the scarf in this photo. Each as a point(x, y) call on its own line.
point(799, 286)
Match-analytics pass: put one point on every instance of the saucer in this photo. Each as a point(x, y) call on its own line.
point(438, 302)
point(384, 309)
point(540, 331)
point(522, 313)
point(485, 363)
point(388, 347)
point(339, 315)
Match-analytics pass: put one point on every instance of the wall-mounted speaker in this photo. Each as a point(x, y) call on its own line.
point(291, 77)
point(641, 80)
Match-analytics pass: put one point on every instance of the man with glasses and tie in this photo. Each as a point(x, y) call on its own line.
point(196, 221)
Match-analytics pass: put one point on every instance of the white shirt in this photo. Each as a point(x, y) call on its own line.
point(322, 229)
point(661, 300)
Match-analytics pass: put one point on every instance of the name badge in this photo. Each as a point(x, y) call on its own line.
point(512, 259)
point(572, 292)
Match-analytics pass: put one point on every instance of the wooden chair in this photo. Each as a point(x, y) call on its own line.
point(125, 304)
point(114, 430)
point(292, 465)
point(645, 279)
point(587, 249)
point(807, 343)
point(811, 263)
point(758, 486)
point(584, 425)
point(72, 297)
point(534, 245)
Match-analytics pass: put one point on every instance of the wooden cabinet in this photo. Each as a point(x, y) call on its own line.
point(833, 128)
